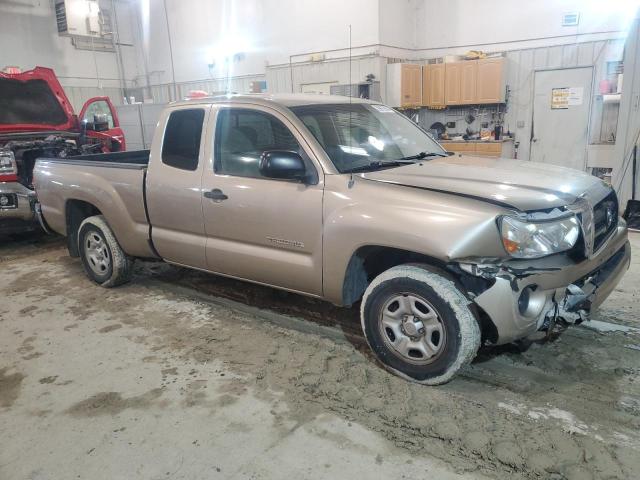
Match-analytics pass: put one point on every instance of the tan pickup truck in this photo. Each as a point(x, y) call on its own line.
point(349, 201)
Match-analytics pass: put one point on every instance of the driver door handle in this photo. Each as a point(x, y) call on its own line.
point(215, 194)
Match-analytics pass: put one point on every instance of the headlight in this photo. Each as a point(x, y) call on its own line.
point(7, 163)
point(534, 240)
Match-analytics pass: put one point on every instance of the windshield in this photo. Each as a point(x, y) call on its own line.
point(360, 136)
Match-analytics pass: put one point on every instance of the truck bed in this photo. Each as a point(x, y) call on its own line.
point(112, 184)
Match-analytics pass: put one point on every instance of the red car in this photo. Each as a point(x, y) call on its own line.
point(37, 119)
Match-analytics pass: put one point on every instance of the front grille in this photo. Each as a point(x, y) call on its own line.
point(605, 219)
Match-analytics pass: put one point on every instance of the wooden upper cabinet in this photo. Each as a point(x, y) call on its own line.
point(490, 84)
point(433, 85)
point(453, 83)
point(468, 80)
point(411, 85)
point(404, 85)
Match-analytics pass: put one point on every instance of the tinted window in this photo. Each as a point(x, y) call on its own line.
point(243, 135)
point(182, 139)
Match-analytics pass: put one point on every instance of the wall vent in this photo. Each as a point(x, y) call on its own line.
point(61, 18)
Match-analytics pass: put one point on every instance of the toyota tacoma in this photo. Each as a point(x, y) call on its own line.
point(349, 201)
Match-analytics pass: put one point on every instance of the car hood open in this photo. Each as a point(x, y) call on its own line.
point(519, 184)
point(34, 101)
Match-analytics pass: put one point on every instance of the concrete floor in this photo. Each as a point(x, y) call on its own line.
point(166, 377)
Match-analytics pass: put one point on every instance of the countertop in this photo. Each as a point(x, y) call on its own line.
point(504, 140)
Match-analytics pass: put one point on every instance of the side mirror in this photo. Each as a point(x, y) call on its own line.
point(282, 164)
point(450, 153)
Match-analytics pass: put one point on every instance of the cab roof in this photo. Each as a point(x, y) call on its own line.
point(269, 99)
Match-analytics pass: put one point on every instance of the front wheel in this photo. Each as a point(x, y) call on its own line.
point(419, 324)
point(103, 259)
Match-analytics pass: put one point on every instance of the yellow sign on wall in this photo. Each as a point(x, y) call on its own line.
point(562, 98)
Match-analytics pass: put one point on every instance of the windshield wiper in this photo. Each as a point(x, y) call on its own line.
point(421, 155)
point(378, 164)
point(394, 163)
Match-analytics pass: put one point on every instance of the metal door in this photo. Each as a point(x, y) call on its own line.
point(264, 230)
point(112, 138)
point(560, 126)
point(174, 199)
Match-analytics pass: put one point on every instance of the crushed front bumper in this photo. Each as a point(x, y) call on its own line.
point(18, 213)
point(524, 297)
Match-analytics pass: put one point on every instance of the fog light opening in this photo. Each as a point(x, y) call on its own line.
point(531, 301)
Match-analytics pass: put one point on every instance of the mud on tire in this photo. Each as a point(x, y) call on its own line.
point(103, 259)
point(419, 324)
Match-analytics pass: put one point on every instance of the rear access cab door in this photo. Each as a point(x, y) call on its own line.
point(173, 185)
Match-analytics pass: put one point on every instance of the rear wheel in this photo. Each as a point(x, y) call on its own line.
point(103, 259)
point(419, 324)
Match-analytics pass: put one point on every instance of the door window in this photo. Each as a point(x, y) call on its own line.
point(99, 107)
point(181, 144)
point(242, 136)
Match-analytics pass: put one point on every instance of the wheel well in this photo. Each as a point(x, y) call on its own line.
point(368, 262)
point(76, 212)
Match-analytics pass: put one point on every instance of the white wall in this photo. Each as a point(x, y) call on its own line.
point(266, 31)
point(29, 38)
point(273, 33)
point(399, 22)
point(456, 26)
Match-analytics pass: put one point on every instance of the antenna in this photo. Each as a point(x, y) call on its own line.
point(350, 95)
point(350, 66)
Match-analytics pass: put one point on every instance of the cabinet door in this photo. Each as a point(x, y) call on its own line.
point(416, 97)
point(433, 85)
point(459, 147)
point(490, 83)
point(469, 77)
point(411, 85)
point(492, 149)
point(453, 77)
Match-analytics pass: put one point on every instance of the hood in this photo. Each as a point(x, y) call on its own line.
point(519, 184)
point(34, 101)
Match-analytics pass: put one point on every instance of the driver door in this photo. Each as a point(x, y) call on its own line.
point(113, 137)
point(261, 229)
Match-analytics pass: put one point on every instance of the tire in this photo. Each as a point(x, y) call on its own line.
point(103, 259)
point(419, 324)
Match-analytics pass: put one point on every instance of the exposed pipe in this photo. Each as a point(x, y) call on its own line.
point(95, 63)
point(145, 52)
point(173, 71)
point(116, 41)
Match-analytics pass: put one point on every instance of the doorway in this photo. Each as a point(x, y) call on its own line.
point(561, 110)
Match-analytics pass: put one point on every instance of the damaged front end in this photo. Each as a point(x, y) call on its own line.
point(521, 297)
